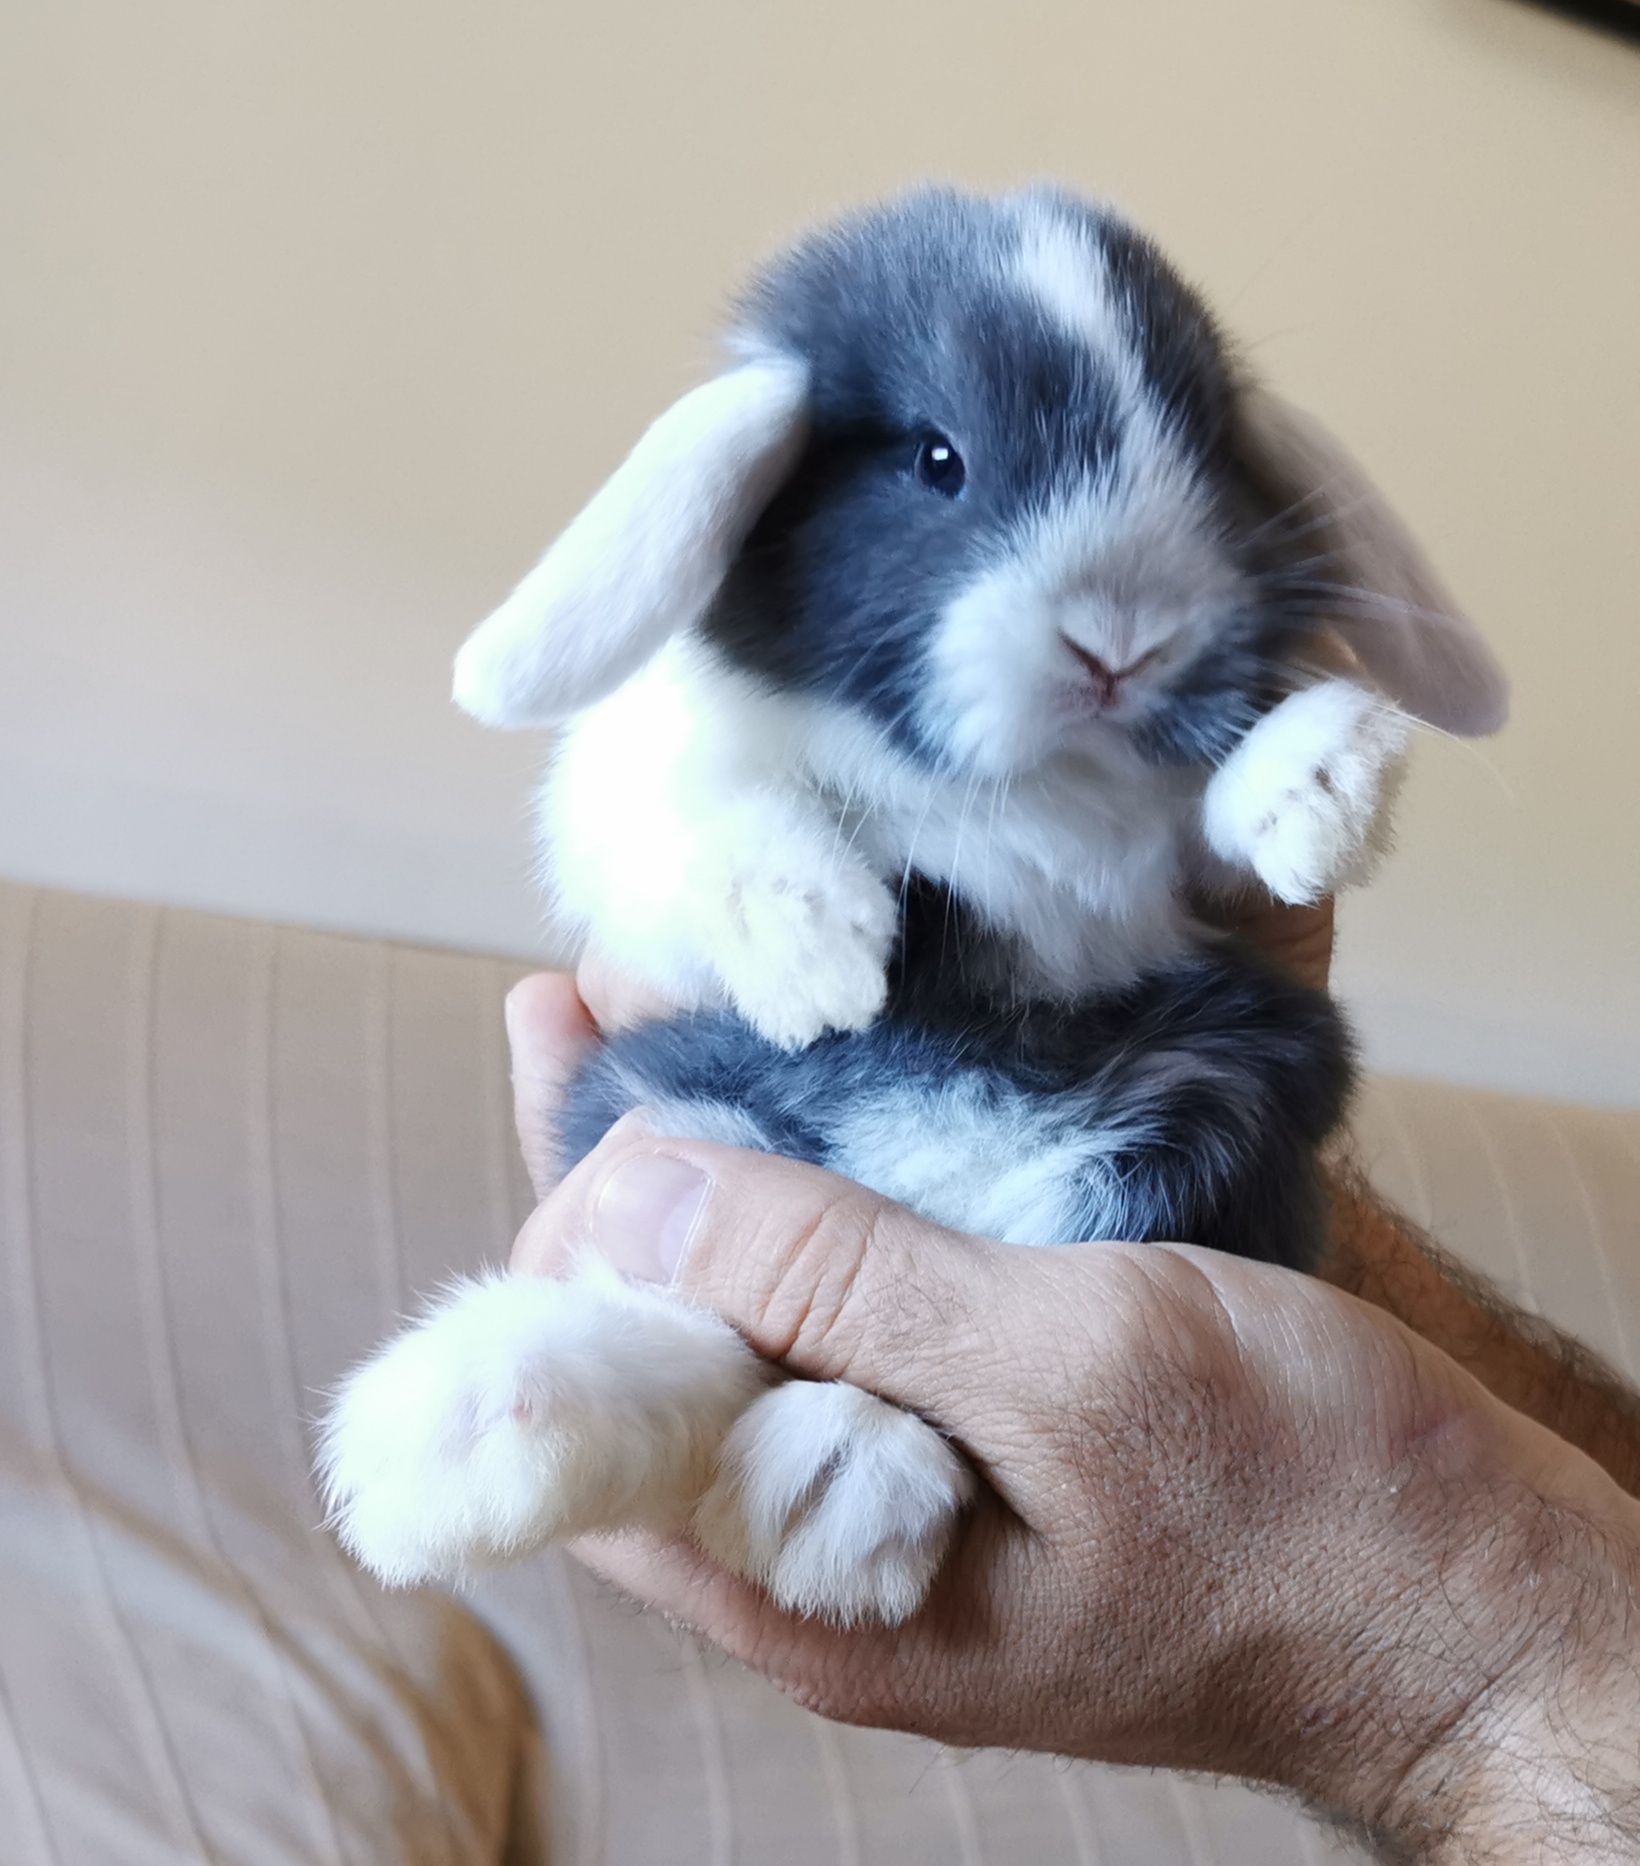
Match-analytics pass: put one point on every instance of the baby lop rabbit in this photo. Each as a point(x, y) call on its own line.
point(921, 681)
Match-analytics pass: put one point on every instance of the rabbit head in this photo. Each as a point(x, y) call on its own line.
point(984, 470)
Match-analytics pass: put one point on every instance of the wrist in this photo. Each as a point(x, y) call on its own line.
point(1517, 1732)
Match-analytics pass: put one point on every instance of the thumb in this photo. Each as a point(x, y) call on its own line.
point(549, 1033)
point(814, 1271)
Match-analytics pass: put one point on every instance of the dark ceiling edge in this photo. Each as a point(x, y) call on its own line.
point(1620, 18)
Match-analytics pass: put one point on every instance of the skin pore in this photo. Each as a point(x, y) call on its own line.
point(1371, 1541)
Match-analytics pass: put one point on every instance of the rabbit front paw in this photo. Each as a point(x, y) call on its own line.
point(523, 1410)
point(838, 1504)
point(804, 946)
point(1304, 799)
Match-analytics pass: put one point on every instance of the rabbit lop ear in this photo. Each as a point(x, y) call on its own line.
point(1392, 611)
point(645, 557)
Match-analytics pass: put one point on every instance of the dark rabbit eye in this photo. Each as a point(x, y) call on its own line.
point(939, 466)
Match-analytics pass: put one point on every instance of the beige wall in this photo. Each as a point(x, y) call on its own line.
point(315, 319)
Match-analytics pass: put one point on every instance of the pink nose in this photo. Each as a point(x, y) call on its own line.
point(1106, 679)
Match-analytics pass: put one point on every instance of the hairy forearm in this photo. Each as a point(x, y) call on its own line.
point(1545, 1766)
point(1378, 1255)
point(1501, 1721)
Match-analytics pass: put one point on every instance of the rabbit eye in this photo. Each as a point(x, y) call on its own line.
point(939, 466)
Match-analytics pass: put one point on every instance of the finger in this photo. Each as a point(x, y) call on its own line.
point(885, 1676)
point(847, 1673)
point(549, 1032)
point(832, 1280)
point(1298, 939)
point(677, 1579)
point(617, 1001)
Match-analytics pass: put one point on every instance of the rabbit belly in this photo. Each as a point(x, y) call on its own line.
point(1187, 1108)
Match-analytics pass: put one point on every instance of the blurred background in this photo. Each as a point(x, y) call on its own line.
point(316, 320)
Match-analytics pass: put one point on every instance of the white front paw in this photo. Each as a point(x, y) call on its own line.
point(524, 1410)
point(837, 1503)
point(804, 946)
point(1304, 799)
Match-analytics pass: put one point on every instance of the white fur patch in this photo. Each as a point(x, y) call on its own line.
point(1060, 268)
point(992, 1162)
point(645, 556)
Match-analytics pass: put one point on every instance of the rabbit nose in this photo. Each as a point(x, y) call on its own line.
point(1106, 679)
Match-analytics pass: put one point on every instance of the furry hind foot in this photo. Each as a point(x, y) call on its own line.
point(524, 1410)
point(837, 1503)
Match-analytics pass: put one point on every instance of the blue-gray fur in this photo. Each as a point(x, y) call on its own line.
point(1187, 1107)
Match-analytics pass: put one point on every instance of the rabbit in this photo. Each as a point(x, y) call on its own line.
point(923, 680)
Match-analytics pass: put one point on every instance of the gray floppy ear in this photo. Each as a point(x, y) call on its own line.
point(645, 557)
point(1393, 612)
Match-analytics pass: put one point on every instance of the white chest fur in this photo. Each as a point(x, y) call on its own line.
point(712, 837)
point(1081, 861)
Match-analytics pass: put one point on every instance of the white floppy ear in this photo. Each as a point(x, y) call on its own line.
point(1392, 611)
point(645, 557)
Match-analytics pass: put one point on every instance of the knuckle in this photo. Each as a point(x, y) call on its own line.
point(829, 1288)
point(809, 1282)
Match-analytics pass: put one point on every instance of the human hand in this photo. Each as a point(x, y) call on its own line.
point(1236, 1520)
